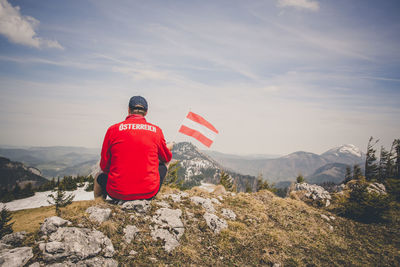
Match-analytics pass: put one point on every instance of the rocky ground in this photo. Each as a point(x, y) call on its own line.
point(197, 227)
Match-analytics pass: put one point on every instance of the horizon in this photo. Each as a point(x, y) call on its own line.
point(197, 146)
point(273, 77)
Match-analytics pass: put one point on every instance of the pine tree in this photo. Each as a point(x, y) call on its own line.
point(5, 225)
point(261, 184)
point(348, 177)
point(300, 179)
point(59, 198)
point(371, 168)
point(357, 174)
point(383, 164)
point(172, 178)
point(397, 152)
point(226, 181)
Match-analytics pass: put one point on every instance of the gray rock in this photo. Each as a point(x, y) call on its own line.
point(15, 257)
point(98, 214)
point(215, 201)
point(170, 239)
point(314, 192)
point(332, 218)
point(14, 239)
point(132, 253)
point(76, 244)
point(170, 219)
point(35, 264)
point(214, 222)
point(163, 204)
point(228, 214)
point(51, 224)
point(377, 188)
point(93, 262)
point(323, 216)
point(140, 206)
point(205, 202)
point(169, 227)
point(177, 197)
point(131, 232)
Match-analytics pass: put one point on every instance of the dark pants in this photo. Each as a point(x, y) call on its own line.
point(102, 180)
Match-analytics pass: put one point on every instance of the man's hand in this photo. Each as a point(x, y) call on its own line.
point(170, 145)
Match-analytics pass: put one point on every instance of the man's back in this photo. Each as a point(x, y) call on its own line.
point(130, 156)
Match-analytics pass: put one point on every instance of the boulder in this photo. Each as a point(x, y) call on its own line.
point(377, 188)
point(177, 197)
point(313, 192)
point(140, 206)
point(51, 224)
point(15, 257)
point(98, 214)
point(228, 214)
point(130, 232)
point(14, 239)
point(76, 244)
point(205, 202)
point(92, 262)
point(171, 241)
point(219, 190)
point(214, 222)
point(169, 227)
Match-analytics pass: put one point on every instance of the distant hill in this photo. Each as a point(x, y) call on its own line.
point(198, 167)
point(55, 161)
point(12, 173)
point(288, 167)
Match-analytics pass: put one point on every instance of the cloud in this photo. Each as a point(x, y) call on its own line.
point(301, 4)
point(21, 29)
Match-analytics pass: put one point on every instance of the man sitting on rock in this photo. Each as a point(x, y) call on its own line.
point(133, 157)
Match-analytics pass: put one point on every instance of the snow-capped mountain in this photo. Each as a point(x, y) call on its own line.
point(346, 154)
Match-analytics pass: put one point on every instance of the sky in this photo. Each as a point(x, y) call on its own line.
point(273, 76)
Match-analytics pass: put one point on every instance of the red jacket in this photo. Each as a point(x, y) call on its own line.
point(130, 156)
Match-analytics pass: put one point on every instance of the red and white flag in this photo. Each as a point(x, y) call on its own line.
point(197, 127)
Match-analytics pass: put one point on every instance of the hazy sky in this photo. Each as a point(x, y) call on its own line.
point(273, 76)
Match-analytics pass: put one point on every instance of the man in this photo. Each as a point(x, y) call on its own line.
point(133, 157)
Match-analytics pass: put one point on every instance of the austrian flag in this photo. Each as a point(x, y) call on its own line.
point(197, 127)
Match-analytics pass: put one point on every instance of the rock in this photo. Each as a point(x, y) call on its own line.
point(376, 188)
point(214, 222)
point(332, 218)
point(99, 215)
point(140, 206)
point(330, 227)
point(220, 198)
point(323, 216)
point(205, 202)
point(219, 190)
point(132, 253)
point(15, 257)
point(51, 224)
point(170, 240)
point(169, 227)
point(131, 232)
point(35, 264)
point(170, 219)
point(177, 197)
point(93, 262)
point(14, 239)
point(215, 201)
point(314, 192)
point(76, 244)
point(163, 204)
point(228, 214)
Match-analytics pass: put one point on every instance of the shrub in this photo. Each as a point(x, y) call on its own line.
point(364, 206)
point(300, 179)
point(5, 225)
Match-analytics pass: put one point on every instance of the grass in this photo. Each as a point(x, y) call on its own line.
point(268, 230)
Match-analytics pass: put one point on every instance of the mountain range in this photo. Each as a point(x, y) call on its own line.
point(197, 165)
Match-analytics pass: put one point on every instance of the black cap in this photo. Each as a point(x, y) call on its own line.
point(138, 102)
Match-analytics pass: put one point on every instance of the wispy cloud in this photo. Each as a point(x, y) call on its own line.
point(20, 29)
point(300, 4)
